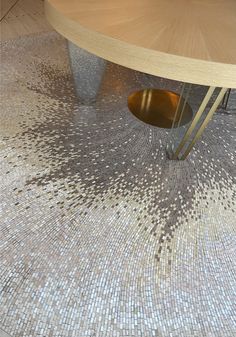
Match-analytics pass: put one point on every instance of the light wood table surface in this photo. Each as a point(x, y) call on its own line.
point(187, 40)
point(192, 41)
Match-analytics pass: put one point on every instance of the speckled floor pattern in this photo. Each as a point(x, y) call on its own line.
point(101, 235)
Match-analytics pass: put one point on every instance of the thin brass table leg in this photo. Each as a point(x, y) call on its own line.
point(226, 99)
point(197, 125)
point(166, 109)
point(205, 122)
point(194, 122)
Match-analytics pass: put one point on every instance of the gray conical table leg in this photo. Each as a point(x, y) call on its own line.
point(88, 71)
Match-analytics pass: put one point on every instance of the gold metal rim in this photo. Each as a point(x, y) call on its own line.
point(158, 107)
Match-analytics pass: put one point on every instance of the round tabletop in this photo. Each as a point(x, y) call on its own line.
point(192, 41)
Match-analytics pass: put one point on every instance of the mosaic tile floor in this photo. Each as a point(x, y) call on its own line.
point(100, 234)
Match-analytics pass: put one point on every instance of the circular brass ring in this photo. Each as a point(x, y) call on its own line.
point(159, 108)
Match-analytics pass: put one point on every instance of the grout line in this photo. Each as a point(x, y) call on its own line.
point(9, 10)
point(7, 334)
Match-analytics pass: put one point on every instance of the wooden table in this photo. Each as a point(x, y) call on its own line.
point(192, 41)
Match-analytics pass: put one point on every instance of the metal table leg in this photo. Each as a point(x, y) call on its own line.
point(88, 71)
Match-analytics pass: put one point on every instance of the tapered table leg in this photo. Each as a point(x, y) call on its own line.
point(88, 71)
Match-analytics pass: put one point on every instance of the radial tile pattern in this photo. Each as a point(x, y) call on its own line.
point(101, 235)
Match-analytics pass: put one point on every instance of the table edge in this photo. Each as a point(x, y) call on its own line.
point(174, 67)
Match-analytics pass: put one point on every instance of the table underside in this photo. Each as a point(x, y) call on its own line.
point(88, 71)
